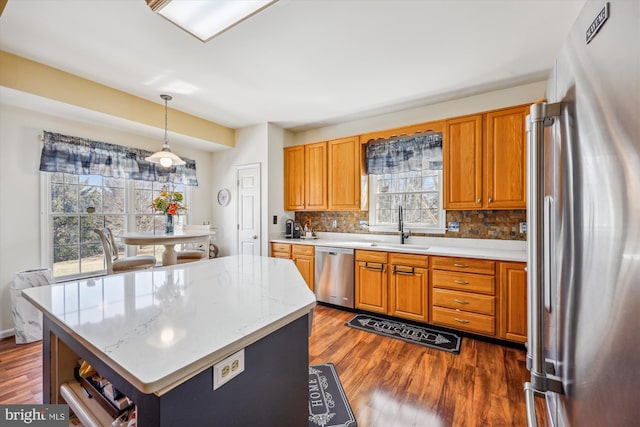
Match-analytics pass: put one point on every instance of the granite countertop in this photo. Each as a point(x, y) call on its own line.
point(158, 328)
point(501, 250)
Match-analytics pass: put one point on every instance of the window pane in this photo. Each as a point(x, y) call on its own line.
point(92, 257)
point(57, 198)
point(113, 200)
point(65, 230)
point(65, 260)
point(87, 225)
point(90, 197)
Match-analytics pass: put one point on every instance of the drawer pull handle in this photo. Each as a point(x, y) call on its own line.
point(395, 270)
point(367, 266)
point(461, 265)
point(460, 301)
point(460, 320)
point(461, 282)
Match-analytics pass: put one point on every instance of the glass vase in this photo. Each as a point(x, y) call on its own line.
point(168, 224)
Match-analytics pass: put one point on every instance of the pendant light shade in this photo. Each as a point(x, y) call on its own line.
point(165, 157)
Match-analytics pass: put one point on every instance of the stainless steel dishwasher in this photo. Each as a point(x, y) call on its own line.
point(334, 282)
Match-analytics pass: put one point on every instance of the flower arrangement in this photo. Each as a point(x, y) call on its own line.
point(169, 201)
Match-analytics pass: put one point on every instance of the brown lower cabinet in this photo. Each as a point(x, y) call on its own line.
point(513, 298)
point(480, 296)
point(393, 283)
point(303, 257)
point(464, 294)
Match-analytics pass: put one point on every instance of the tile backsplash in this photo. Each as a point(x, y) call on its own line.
point(502, 225)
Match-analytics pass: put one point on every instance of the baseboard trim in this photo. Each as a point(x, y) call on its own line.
point(7, 333)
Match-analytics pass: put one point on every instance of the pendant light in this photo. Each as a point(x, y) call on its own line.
point(165, 157)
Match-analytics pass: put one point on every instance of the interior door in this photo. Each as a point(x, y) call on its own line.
point(249, 237)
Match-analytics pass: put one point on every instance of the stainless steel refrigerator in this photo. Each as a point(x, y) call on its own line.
point(584, 225)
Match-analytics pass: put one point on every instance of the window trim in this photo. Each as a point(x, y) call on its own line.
point(439, 228)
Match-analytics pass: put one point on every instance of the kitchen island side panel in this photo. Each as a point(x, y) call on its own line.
point(272, 390)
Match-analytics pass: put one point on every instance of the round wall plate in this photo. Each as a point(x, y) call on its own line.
point(223, 197)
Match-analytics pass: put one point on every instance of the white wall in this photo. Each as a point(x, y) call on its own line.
point(262, 144)
point(20, 187)
point(458, 107)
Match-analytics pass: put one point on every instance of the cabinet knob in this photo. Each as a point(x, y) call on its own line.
point(490, 199)
point(479, 200)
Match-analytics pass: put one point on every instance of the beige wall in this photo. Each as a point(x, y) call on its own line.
point(458, 107)
point(20, 209)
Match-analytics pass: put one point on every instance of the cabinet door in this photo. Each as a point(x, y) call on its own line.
point(344, 174)
point(294, 178)
point(371, 286)
point(505, 159)
point(315, 172)
point(408, 287)
point(462, 163)
point(513, 298)
point(305, 265)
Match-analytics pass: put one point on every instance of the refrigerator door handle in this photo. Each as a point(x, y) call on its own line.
point(542, 115)
point(529, 394)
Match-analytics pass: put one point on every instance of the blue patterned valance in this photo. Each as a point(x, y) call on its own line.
point(79, 156)
point(405, 153)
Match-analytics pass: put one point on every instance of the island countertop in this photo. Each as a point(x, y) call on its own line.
point(157, 328)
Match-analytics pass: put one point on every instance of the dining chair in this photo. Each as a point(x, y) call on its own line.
point(197, 251)
point(115, 264)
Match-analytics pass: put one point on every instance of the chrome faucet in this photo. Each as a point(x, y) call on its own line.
point(403, 235)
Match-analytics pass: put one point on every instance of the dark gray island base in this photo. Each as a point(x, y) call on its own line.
point(272, 390)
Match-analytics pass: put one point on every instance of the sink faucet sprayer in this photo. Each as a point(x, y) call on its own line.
point(403, 235)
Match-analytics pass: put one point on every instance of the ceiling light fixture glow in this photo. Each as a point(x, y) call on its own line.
point(165, 157)
point(206, 19)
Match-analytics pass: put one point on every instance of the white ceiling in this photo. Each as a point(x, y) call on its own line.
point(300, 63)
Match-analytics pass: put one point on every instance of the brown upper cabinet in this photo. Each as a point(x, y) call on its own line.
point(484, 158)
point(344, 174)
point(305, 177)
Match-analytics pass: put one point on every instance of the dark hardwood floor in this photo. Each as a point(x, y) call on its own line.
point(389, 382)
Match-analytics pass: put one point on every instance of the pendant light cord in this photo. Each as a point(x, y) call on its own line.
point(166, 138)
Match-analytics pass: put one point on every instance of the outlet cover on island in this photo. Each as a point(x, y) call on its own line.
point(453, 227)
point(228, 369)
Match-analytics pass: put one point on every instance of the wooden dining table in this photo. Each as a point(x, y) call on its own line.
point(169, 241)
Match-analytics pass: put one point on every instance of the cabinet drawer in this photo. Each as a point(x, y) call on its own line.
point(466, 301)
point(281, 247)
point(409, 260)
point(371, 256)
point(466, 265)
point(303, 250)
point(464, 282)
point(457, 319)
point(284, 255)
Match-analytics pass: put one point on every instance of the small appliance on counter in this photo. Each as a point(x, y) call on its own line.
point(297, 230)
point(288, 229)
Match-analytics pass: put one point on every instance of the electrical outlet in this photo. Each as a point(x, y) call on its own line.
point(334, 223)
point(454, 227)
point(275, 219)
point(227, 369)
point(523, 228)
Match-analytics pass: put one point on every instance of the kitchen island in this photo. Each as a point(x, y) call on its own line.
point(157, 334)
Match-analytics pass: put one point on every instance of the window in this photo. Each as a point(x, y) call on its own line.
point(77, 204)
point(418, 192)
point(406, 171)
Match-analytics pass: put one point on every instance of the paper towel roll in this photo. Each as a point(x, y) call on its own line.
point(27, 319)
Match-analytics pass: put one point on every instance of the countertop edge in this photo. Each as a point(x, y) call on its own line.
point(461, 252)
